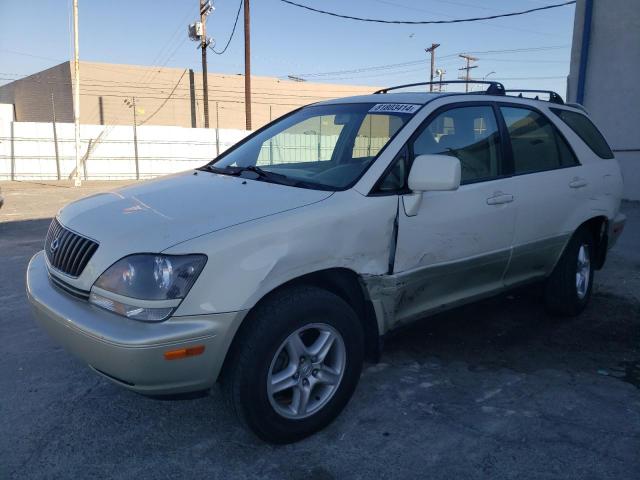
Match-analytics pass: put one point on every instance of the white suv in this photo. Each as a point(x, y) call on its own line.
point(278, 267)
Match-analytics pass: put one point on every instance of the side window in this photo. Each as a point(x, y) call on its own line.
point(468, 133)
point(535, 142)
point(395, 179)
point(586, 130)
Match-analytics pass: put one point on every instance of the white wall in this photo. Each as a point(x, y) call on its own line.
point(612, 94)
point(27, 150)
point(6, 113)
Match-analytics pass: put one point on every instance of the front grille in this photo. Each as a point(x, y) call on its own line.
point(67, 251)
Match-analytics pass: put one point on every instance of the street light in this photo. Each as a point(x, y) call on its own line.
point(485, 77)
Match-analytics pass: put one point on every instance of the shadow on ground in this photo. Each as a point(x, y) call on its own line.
point(497, 389)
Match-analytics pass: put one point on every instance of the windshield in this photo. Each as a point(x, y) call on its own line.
point(323, 146)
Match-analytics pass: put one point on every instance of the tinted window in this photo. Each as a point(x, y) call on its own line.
point(395, 179)
point(468, 133)
point(587, 131)
point(535, 142)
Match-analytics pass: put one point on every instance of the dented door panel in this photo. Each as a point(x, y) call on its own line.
point(457, 246)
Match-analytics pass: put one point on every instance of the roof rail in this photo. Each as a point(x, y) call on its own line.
point(553, 96)
point(579, 106)
point(495, 88)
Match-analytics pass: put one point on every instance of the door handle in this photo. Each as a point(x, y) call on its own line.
point(500, 198)
point(578, 183)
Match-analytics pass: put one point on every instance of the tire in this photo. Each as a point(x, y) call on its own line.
point(568, 289)
point(263, 355)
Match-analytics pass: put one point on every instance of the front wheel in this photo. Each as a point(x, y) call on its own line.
point(568, 289)
point(295, 365)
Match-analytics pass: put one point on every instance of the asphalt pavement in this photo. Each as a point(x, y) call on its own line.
point(497, 389)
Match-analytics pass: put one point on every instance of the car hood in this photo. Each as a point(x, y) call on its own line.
point(155, 215)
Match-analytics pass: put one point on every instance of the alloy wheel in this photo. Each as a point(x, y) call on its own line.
point(306, 371)
point(583, 271)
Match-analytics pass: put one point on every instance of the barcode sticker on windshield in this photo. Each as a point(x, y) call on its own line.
point(394, 108)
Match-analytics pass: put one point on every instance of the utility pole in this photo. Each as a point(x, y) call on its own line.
point(247, 65)
point(217, 131)
point(432, 51)
point(55, 135)
point(132, 104)
point(135, 137)
point(76, 94)
point(469, 59)
point(205, 8)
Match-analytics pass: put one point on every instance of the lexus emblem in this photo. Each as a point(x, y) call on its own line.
point(54, 245)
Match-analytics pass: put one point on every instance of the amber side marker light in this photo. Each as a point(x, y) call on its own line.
point(184, 352)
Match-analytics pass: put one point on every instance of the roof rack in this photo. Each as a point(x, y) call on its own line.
point(553, 96)
point(495, 88)
point(579, 106)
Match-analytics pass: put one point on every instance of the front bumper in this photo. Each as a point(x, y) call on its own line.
point(129, 352)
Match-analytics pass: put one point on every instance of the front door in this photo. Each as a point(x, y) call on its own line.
point(458, 244)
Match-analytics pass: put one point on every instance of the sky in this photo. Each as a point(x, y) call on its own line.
point(286, 40)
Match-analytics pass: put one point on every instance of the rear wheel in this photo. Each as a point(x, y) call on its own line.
point(295, 365)
point(568, 289)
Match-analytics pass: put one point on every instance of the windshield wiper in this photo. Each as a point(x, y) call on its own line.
point(211, 168)
point(261, 173)
point(266, 175)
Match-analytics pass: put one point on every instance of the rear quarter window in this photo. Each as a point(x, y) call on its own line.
point(586, 130)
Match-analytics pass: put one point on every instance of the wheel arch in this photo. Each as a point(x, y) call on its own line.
point(598, 226)
point(344, 283)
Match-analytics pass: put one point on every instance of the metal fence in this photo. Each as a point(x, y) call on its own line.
point(46, 151)
point(38, 151)
point(289, 148)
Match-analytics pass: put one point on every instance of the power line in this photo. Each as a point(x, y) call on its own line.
point(166, 100)
point(524, 60)
point(14, 52)
point(421, 61)
point(555, 77)
point(488, 25)
point(109, 86)
point(362, 69)
point(427, 22)
point(530, 49)
point(336, 73)
point(233, 31)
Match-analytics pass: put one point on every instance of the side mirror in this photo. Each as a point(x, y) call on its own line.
point(434, 173)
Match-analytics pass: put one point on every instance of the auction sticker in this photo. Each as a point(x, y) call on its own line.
point(394, 108)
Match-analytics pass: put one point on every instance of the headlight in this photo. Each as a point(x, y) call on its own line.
point(147, 287)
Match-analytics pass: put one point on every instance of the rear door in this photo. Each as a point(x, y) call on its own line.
point(457, 246)
point(547, 187)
